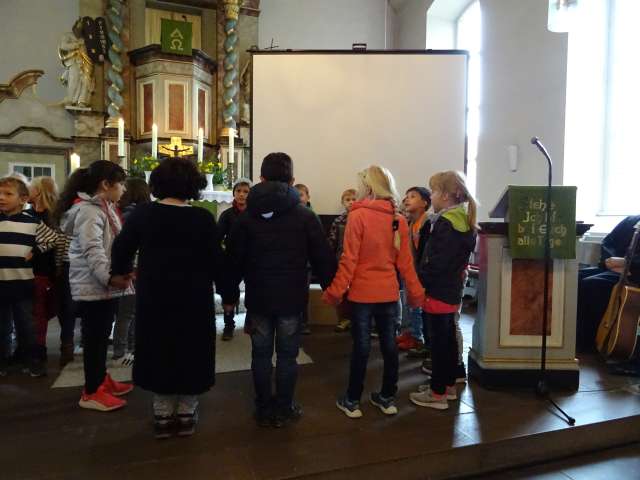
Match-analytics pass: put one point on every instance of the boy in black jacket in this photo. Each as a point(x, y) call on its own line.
point(270, 247)
point(228, 218)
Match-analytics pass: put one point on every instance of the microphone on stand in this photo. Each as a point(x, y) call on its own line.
point(536, 141)
point(542, 388)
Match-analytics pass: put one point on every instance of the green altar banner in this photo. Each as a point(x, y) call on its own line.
point(175, 37)
point(528, 216)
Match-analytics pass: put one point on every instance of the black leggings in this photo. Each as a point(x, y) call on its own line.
point(97, 319)
point(444, 350)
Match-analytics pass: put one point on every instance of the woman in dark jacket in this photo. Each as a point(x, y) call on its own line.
point(179, 258)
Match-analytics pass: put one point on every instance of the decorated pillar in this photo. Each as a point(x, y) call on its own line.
point(115, 14)
point(113, 134)
point(230, 79)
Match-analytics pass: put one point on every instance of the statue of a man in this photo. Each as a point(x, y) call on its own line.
point(78, 74)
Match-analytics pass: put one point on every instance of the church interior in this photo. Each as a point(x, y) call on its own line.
point(533, 100)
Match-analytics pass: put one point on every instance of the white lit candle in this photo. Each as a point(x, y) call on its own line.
point(232, 140)
point(121, 137)
point(154, 141)
point(200, 144)
point(74, 162)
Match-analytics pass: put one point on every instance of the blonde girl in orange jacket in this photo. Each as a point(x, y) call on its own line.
point(376, 248)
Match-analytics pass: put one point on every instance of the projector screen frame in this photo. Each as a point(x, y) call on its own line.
point(465, 53)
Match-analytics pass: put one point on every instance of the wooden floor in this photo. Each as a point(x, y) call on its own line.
point(44, 435)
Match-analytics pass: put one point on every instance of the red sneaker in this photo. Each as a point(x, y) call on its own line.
point(409, 343)
point(116, 388)
point(403, 337)
point(102, 400)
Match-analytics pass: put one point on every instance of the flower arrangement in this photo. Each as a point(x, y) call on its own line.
point(141, 165)
point(216, 169)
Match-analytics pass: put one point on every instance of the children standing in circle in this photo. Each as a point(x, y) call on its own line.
point(93, 223)
point(442, 269)
point(226, 221)
point(376, 247)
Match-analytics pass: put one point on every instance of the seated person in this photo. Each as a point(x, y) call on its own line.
point(596, 283)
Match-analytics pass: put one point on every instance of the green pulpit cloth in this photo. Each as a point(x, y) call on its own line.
point(528, 217)
point(175, 37)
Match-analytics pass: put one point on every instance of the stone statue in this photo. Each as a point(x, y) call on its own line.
point(245, 89)
point(78, 74)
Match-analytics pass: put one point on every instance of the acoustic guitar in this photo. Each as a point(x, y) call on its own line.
point(618, 330)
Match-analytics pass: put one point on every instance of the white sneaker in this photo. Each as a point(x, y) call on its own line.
point(429, 399)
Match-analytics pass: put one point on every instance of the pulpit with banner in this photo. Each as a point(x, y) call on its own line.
point(507, 340)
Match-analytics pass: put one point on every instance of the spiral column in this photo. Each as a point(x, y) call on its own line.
point(230, 64)
point(115, 14)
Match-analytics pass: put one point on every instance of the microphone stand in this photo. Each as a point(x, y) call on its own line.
point(542, 387)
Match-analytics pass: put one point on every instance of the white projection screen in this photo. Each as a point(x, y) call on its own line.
point(335, 113)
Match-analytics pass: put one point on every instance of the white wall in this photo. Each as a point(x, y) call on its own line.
point(441, 33)
point(29, 35)
point(523, 95)
point(327, 24)
point(412, 25)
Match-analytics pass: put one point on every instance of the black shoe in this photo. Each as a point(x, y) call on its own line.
point(227, 333)
point(187, 423)
point(163, 426)
point(287, 416)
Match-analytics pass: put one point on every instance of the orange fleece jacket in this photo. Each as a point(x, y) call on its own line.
point(369, 260)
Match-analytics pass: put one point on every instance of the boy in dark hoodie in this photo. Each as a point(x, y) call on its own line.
point(227, 219)
point(270, 248)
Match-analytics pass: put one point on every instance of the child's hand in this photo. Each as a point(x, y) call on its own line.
point(29, 256)
point(330, 299)
point(228, 308)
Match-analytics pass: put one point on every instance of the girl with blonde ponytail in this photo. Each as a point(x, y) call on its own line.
point(442, 271)
point(375, 248)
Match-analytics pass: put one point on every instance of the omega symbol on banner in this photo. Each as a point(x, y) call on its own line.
point(176, 40)
point(175, 37)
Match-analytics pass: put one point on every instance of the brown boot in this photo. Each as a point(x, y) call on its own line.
point(66, 354)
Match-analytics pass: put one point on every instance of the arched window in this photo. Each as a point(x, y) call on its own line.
point(469, 37)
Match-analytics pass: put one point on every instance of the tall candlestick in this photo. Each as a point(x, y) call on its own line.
point(154, 141)
point(200, 144)
point(121, 137)
point(232, 140)
point(74, 162)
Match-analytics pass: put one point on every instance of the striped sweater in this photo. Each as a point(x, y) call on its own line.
point(19, 235)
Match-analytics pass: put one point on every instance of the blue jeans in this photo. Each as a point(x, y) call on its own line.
point(411, 318)
point(17, 314)
point(384, 315)
point(286, 332)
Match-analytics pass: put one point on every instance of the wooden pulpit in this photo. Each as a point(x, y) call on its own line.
point(507, 340)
